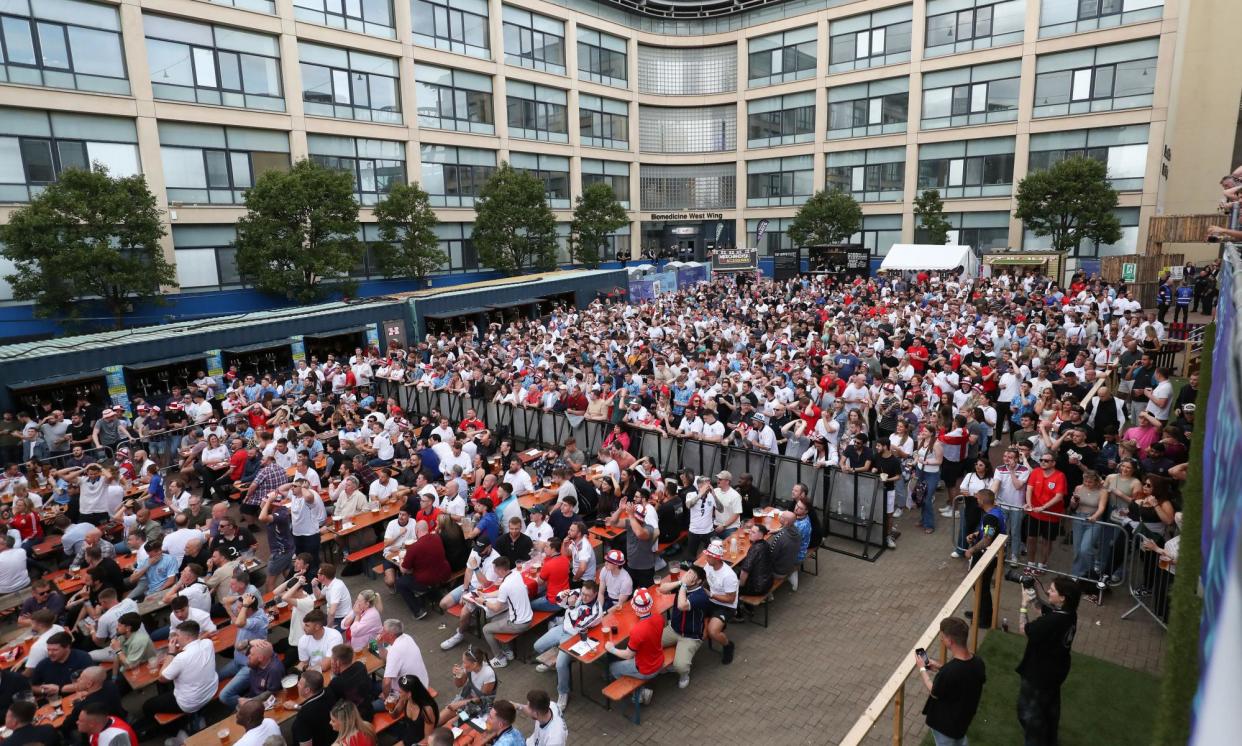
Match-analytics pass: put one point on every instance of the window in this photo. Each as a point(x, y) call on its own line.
point(205, 64)
point(456, 243)
point(696, 187)
point(1122, 149)
point(205, 164)
point(1121, 76)
point(452, 176)
point(454, 100)
point(37, 146)
point(971, 95)
point(877, 108)
point(687, 71)
point(206, 256)
point(983, 231)
point(372, 17)
point(780, 120)
point(349, 85)
point(970, 168)
point(963, 25)
point(603, 122)
point(775, 237)
point(870, 40)
point(454, 25)
point(613, 173)
point(1060, 17)
point(537, 112)
point(602, 58)
point(62, 44)
point(375, 165)
point(879, 233)
point(876, 175)
point(779, 58)
point(534, 41)
point(699, 129)
point(773, 182)
point(552, 170)
point(263, 6)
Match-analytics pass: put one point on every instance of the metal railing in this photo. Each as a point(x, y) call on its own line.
point(1149, 579)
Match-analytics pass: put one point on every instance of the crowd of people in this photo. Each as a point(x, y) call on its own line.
point(1012, 399)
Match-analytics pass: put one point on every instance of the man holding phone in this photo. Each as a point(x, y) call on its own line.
point(954, 693)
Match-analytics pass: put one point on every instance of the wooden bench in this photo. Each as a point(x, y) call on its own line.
point(664, 546)
point(761, 602)
point(383, 720)
point(629, 686)
point(363, 553)
point(165, 718)
point(537, 618)
point(812, 553)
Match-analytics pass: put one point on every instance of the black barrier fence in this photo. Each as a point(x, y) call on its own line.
point(850, 506)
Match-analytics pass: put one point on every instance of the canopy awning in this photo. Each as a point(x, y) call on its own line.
point(907, 256)
point(336, 332)
point(55, 380)
point(514, 304)
point(455, 314)
point(149, 364)
point(1019, 258)
point(242, 349)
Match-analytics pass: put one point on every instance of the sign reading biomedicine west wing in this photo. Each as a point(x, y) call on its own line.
point(735, 260)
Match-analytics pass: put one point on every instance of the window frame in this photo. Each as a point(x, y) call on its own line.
point(349, 22)
point(33, 25)
point(870, 60)
point(219, 86)
point(536, 111)
point(352, 105)
point(455, 19)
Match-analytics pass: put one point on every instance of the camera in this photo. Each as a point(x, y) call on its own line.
point(1027, 581)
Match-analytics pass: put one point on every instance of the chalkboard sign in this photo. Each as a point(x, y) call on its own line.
point(786, 263)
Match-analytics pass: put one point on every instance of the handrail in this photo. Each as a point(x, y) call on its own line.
point(894, 687)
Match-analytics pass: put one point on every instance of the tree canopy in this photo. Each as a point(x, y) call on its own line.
point(830, 216)
point(514, 228)
point(597, 213)
point(929, 209)
point(299, 235)
point(88, 235)
point(407, 225)
point(1072, 202)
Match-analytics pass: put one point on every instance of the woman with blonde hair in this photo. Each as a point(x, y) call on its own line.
point(351, 729)
point(365, 620)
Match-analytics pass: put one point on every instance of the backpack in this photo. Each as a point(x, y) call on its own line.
point(588, 496)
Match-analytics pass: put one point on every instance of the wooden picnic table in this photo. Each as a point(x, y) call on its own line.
point(210, 736)
point(605, 533)
point(734, 556)
point(366, 519)
point(541, 496)
point(55, 714)
point(621, 619)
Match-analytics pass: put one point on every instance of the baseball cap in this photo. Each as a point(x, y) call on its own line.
point(481, 543)
point(642, 602)
point(615, 557)
point(724, 475)
point(1188, 407)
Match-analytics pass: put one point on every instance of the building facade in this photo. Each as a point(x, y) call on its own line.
point(705, 118)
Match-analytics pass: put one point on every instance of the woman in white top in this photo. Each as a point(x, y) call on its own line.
point(979, 478)
point(213, 469)
point(928, 456)
point(820, 454)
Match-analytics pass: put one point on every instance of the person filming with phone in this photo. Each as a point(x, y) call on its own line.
point(1046, 660)
point(958, 684)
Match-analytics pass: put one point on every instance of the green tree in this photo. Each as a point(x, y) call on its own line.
point(1072, 202)
point(829, 216)
point(929, 209)
point(513, 225)
point(88, 235)
point(299, 234)
point(597, 213)
point(407, 225)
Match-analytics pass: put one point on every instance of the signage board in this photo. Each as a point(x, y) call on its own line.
point(840, 259)
point(1129, 272)
point(735, 260)
point(786, 262)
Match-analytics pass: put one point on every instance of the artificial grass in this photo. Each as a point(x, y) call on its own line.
point(1091, 712)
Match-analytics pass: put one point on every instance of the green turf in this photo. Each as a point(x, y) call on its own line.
point(1091, 700)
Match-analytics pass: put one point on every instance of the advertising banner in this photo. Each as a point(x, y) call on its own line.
point(641, 290)
point(735, 260)
point(687, 276)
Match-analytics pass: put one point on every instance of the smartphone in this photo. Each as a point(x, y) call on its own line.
point(922, 655)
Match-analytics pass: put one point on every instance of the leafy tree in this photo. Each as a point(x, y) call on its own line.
point(88, 235)
point(406, 224)
point(829, 216)
point(513, 226)
point(597, 213)
point(299, 234)
point(929, 209)
point(1072, 202)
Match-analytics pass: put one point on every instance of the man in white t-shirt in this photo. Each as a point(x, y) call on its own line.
point(1160, 398)
point(382, 487)
point(316, 643)
point(518, 478)
point(259, 729)
point(192, 673)
point(508, 611)
point(43, 625)
point(402, 657)
point(14, 576)
point(728, 505)
point(334, 593)
point(722, 590)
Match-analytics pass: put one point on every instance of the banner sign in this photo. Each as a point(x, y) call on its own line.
point(688, 276)
point(786, 262)
point(298, 347)
point(735, 260)
point(642, 290)
point(841, 259)
point(114, 375)
point(760, 231)
point(373, 335)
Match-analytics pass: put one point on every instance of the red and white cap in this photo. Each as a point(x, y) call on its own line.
point(615, 557)
point(716, 549)
point(642, 602)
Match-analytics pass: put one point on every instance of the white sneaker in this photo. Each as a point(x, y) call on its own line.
point(683, 682)
point(955, 554)
point(946, 511)
point(898, 513)
point(452, 642)
point(562, 701)
point(499, 661)
point(509, 654)
point(890, 542)
point(644, 695)
point(542, 668)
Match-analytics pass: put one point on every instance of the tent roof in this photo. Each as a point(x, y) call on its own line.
point(926, 256)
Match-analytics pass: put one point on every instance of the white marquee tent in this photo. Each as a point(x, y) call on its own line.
point(908, 256)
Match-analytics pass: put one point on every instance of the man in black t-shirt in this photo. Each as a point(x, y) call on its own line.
point(1046, 660)
point(955, 692)
point(888, 466)
point(311, 725)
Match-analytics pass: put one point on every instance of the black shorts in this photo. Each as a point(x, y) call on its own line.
point(723, 613)
point(1049, 530)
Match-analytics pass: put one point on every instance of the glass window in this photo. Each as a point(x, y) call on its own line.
point(453, 177)
point(700, 129)
point(533, 40)
point(458, 26)
point(1121, 76)
point(207, 64)
point(36, 147)
point(349, 85)
point(687, 71)
point(970, 168)
point(964, 25)
point(1122, 149)
point(454, 100)
point(62, 44)
point(960, 97)
point(1060, 17)
point(613, 173)
point(364, 16)
point(602, 58)
point(603, 122)
point(263, 6)
point(876, 175)
point(537, 112)
point(205, 164)
point(876, 108)
point(781, 120)
point(773, 182)
point(778, 58)
point(694, 187)
point(552, 170)
point(374, 165)
point(870, 40)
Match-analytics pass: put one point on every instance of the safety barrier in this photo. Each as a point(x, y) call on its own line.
point(98, 454)
point(1149, 579)
point(851, 506)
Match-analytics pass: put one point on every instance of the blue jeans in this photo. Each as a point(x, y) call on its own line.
point(943, 740)
point(617, 669)
point(1086, 547)
point(238, 686)
point(551, 639)
point(1013, 524)
point(543, 604)
point(932, 480)
point(233, 667)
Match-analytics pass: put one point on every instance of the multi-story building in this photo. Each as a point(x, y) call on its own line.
point(703, 117)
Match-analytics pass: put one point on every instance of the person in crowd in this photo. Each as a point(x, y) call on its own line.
point(1046, 659)
point(955, 691)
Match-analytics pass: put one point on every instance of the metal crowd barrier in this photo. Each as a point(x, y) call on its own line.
point(1149, 579)
point(851, 506)
point(96, 453)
